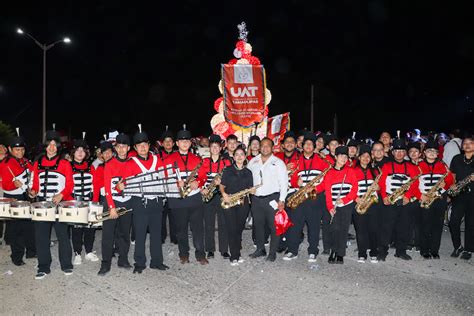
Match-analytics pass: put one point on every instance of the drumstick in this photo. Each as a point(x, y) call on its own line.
point(13, 175)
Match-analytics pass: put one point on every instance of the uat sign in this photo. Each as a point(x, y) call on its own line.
point(244, 94)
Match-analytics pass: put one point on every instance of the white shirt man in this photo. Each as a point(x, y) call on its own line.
point(451, 149)
point(275, 176)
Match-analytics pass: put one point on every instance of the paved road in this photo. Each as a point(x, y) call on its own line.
point(443, 286)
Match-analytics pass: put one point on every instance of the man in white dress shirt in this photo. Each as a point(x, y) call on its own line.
point(269, 198)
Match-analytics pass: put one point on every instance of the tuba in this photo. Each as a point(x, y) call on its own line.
point(306, 192)
point(186, 188)
point(212, 188)
point(369, 197)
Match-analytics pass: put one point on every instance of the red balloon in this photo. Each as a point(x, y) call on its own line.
point(217, 103)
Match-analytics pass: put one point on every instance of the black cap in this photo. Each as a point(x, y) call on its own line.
point(123, 139)
point(105, 145)
point(80, 143)
point(289, 134)
point(17, 141)
point(53, 135)
point(352, 142)
point(183, 134)
point(399, 143)
point(140, 136)
point(342, 150)
point(414, 145)
point(253, 137)
point(167, 134)
point(364, 149)
point(309, 136)
point(431, 144)
point(330, 137)
point(215, 139)
point(301, 132)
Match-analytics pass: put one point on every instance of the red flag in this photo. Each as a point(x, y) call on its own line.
point(277, 126)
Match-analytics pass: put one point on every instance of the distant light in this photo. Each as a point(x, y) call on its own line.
point(67, 40)
point(19, 31)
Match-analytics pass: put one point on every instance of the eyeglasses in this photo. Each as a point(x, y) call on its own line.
point(431, 151)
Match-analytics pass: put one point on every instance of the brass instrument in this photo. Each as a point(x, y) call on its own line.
point(459, 187)
point(369, 198)
point(106, 215)
point(186, 188)
point(212, 188)
point(433, 194)
point(237, 198)
point(306, 192)
point(398, 193)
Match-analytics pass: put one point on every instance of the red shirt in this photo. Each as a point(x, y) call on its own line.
point(431, 174)
point(15, 169)
point(342, 183)
point(186, 164)
point(395, 174)
point(58, 171)
point(85, 183)
point(210, 168)
point(365, 178)
point(114, 170)
point(307, 169)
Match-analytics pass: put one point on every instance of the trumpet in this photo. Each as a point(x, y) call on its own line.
point(106, 215)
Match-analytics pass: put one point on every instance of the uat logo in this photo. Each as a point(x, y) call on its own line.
point(243, 92)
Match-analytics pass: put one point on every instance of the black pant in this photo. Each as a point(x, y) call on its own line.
point(432, 221)
point(397, 219)
point(43, 244)
point(463, 206)
point(367, 230)
point(164, 232)
point(185, 217)
point(22, 239)
point(147, 218)
point(264, 214)
point(339, 229)
point(234, 221)
point(83, 236)
point(309, 212)
point(122, 225)
point(211, 209)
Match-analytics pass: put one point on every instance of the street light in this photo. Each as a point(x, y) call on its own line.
point(45, 48)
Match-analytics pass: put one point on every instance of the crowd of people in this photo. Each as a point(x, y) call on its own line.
point(396, 191)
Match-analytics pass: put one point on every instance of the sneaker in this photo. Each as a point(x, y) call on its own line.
point(40, 275)
point(466, 255)
point(457, 252)
point(132, 242)
point(77, 259)
point(289, 256)
point(361, 260)
point(267, 244)
point(67, 271)
point(240, 260)
point(91, 256)
point(225, 255)
point(210, 255)
point(373, 260)
point(312, 258)
point(234, 263)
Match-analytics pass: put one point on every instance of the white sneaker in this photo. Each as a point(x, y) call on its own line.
point(132, 242)
point(240, 260)
point(77, 260)
point(289, 256)
point(40, 275)
point(361, 260)
point(373, 260)
point(267, 244)
point(234, 263)
point(67, 272)
point(91, 256)
point(312, 258)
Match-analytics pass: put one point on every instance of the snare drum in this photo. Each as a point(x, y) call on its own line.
point(73, 212)
point(5, 207)
point(43, 211)
point(20, 210)
point(95, 209)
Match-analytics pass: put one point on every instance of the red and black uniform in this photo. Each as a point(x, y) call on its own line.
point(52, 176)
point(208, 171)
point(83, 175)
point(147, 213)
point(163, 154)
point(20, 232)
point(397, 218)
point(292, 161)
point(188, 211)
point(366, 225)
point(310, 211)
point(432, 219)
point(113, 172)
point(340, 184)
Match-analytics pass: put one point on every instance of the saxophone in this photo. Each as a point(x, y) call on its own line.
point(369, 197)
point(306, 192)
point(398, 193)
point(433, 194)
point(186, 188)
point(237, 198)
point(212, 188)
point(459, 187)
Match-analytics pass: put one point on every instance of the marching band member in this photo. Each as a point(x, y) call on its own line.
point(366, 225)
point(52, 181)
point(386, 140)
point(270, 197)
point(378, 155)
point(352, 146)
point(84, 190)
point(15, 172)
point(320, 144)
point(210, 168)
point(414, 154)
point(116, 229)
point(235, 178)
point(188, 211)
point(399, 216)
point(332, 143)
point(231, 144)
point(254, 147)
point(463, 205)
point(167, 144)
point(147, 211)
point(310, 211)
point(432, 218)
point(341, 187)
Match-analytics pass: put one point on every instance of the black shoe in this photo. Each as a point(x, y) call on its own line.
point(104, 269)
point(210, 255)
point(466, 255)
point(426, 256)
point(174, 241)
point(19, 263)
point(225, 255)
point(125, 265)
point(382, 257)
point(435, 255)
point(403, 256)
point(258, 253)
point(138, 270)
point(159, 267)
point(271, 257)
point(392, 245)
point(325, 252)
point(339, 259)
point(457, 252)
point(332, 257)
point(281, 249)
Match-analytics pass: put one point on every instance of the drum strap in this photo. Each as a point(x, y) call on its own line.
point(142, 167)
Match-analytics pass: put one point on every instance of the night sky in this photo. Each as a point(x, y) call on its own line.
point(377, 64)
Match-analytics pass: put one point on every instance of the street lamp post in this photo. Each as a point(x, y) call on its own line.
point(45, 48)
